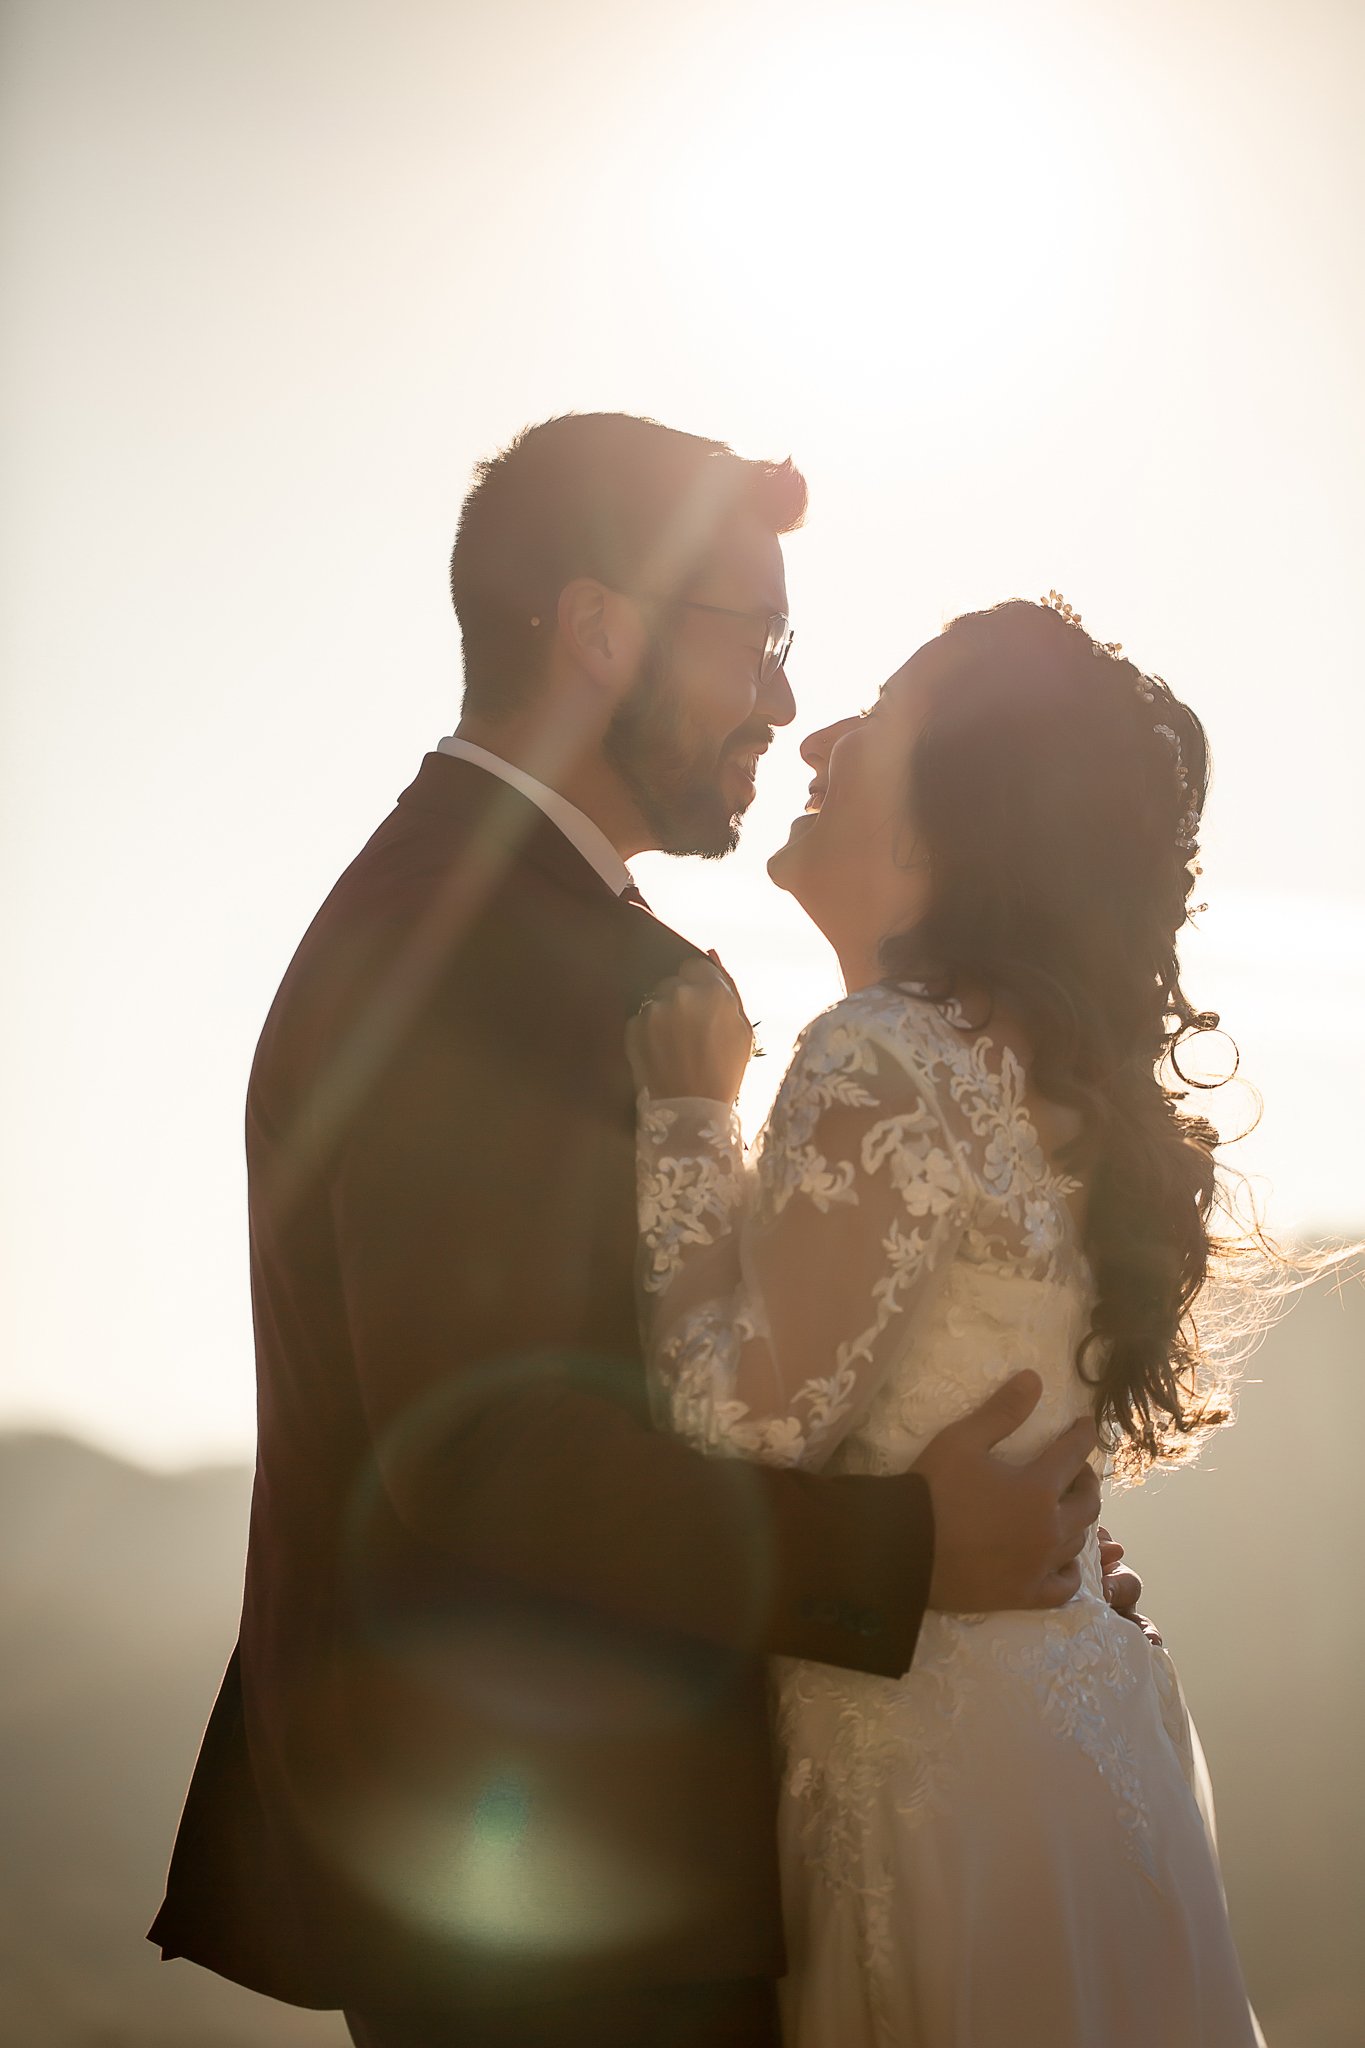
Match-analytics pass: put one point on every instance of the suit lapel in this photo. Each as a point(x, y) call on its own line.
point(505, 827)
point(504, 834)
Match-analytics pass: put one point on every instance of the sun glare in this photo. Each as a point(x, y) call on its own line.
point(1033, 296)
point(927, 183)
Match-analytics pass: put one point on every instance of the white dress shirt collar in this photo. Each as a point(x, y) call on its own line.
point(589, 839)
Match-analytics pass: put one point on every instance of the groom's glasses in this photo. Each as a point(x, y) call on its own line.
point(777, 629)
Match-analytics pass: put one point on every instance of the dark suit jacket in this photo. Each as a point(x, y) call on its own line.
point(495, 1727)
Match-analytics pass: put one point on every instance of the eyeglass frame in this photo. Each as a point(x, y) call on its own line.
point(778, 629)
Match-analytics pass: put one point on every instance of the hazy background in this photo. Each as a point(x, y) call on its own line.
point(1058, 295)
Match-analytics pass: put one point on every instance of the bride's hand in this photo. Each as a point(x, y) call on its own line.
point(691, 1037)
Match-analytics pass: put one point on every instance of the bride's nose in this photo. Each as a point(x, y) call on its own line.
point(817, 746)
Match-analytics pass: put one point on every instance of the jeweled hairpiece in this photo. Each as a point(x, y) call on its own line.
point(1055, 602)
point(1187, 831)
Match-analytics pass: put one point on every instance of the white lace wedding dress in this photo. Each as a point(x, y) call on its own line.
point(1010, 1847)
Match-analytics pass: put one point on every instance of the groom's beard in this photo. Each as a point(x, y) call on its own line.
point(675, 777)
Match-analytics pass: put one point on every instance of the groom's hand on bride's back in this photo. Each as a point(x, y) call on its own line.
point(1008, 1535)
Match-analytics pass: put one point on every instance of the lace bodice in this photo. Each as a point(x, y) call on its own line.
point(895, 1248)
point(897, 1186)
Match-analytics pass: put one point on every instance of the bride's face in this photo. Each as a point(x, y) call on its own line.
point(852, 861)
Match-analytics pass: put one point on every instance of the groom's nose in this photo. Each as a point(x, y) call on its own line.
point(775, 702)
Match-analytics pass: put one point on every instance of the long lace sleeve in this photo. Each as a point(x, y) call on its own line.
point(778, 1294)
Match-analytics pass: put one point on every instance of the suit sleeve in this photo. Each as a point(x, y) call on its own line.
point(466, 1202)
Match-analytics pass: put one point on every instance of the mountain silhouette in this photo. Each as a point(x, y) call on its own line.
point(119, 1591)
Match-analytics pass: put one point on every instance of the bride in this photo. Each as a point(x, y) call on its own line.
point(972, 1167)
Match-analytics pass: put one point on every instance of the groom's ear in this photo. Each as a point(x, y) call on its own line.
point(602, 632)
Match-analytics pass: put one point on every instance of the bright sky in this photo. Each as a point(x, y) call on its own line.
point(1062, 295)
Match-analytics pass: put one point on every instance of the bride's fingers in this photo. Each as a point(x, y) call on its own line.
point(693, 979)
point(696, 993)
point(699, 973)
point(709, 976)
point(724, 973)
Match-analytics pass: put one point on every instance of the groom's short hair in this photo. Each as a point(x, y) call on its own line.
point(637, 505)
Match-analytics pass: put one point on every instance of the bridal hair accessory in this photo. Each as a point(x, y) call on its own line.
point(1187, 831)
point(1055, 602)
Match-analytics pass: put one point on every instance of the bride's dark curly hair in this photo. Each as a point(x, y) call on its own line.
point(1057, 792)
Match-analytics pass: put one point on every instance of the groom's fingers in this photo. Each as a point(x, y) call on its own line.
point(1063, 1585)
point(1007, 1408)
point(1077, 1509)
point(1122, 1588)
point(1064, 1469)
point(1065, 1464)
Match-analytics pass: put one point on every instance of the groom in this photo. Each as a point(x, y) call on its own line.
point(491, 1762)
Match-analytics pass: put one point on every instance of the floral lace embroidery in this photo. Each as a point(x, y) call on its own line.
point(690, 1189)
point(959, 1187)
point(1075, 1674)
point(989, 1180)
point(690, 1393)
point(1023, 1199)
point(888, 1736)
point(823, 1074)
point(688, 1199)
